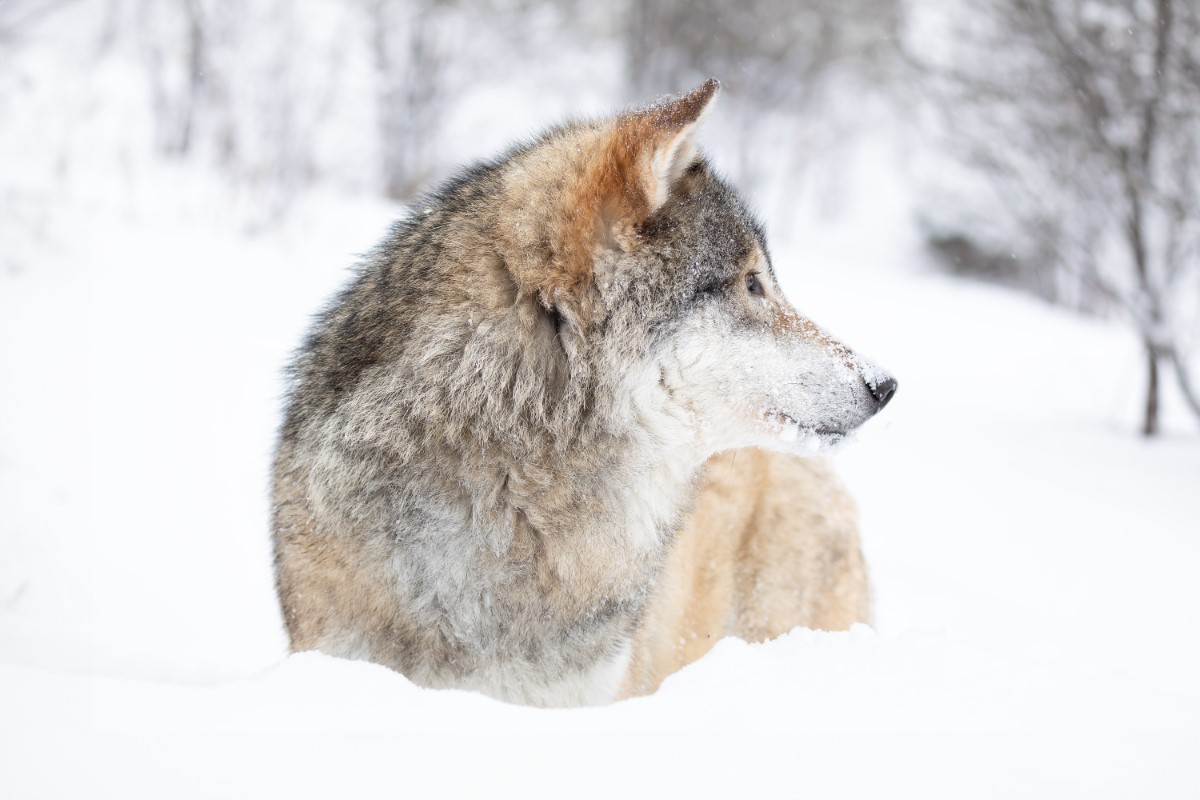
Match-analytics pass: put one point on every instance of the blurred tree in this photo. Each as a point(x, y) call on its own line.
point(187, 46)
point(768, 51)
point(410, 52)
point(428, 53)
point(242, 85)
point(1085, 117)
point(773, 56)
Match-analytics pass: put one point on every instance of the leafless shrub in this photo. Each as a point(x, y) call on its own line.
point(1085, 117)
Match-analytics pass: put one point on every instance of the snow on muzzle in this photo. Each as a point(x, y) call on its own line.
point(827, 390)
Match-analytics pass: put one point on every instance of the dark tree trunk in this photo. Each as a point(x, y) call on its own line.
point(1150, 424)
point(197, 57)
point(410, 63)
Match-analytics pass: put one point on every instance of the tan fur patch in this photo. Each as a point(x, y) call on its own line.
point(771, 545)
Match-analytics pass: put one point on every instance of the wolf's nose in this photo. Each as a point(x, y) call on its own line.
point(883, 391)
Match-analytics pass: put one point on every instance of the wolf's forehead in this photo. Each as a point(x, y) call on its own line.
point(733, 236)
point(756, 259)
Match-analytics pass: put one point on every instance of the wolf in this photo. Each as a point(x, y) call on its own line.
point(559, 434)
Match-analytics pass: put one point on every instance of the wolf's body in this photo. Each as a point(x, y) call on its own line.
point(492, 470)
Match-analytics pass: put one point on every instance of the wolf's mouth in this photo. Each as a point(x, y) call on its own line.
point(788, 419)
point(816, 438)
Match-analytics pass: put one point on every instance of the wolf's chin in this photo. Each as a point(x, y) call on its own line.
point(832, 441)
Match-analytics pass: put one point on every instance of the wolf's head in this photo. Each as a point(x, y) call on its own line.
point(655, 275)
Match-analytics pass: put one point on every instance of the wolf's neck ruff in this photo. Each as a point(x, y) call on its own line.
point(515, 530)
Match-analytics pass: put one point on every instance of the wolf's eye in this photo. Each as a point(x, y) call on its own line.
point(753, 284)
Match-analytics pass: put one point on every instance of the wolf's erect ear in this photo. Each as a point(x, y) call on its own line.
point(649, 149)
point(617, 174)
point(653, 146)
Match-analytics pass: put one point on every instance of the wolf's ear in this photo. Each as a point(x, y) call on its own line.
point(641, 157)
point(616, 175)
point(652, 147)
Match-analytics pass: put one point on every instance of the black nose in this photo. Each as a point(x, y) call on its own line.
point(883, 391)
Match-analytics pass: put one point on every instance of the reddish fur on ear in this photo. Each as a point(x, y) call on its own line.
point(636, 164)
point(623, 171)
point(629, 173)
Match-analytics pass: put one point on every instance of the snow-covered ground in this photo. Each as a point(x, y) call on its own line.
point(1034, 561)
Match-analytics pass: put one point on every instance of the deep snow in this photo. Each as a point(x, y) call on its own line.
point(1034, 562)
